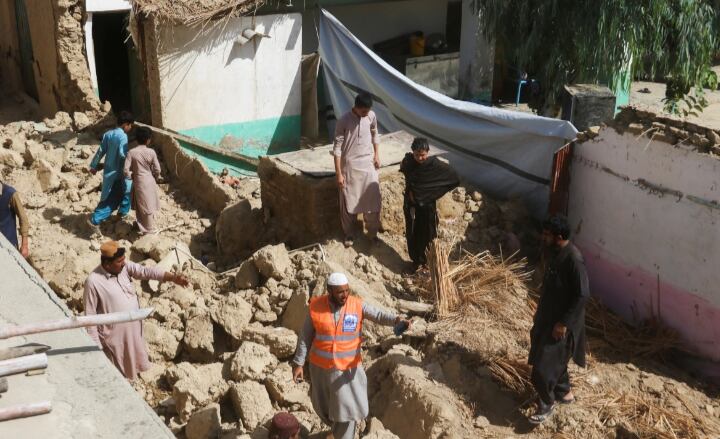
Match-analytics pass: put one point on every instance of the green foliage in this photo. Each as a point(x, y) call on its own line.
point(572, 41)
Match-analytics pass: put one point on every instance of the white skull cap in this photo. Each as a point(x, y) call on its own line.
point(337, 279)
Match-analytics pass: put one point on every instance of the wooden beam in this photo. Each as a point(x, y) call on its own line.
point(25, 410)
point(75, 322)
point(203, 146)
point(23, 364)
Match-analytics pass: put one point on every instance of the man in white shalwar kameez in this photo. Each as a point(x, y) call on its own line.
point(357, 160)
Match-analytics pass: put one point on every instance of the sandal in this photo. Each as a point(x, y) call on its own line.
point(541, 415)
point(565, 401)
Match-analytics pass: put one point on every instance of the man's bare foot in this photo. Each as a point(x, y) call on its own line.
point(569, 398)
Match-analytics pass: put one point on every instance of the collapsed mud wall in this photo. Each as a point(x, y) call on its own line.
point(306, 209)
point(9, 50)
point(192, 177)
point(303, 208)
point(74, 90)
point(59, 67)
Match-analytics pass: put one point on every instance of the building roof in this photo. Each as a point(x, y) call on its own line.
point(194, 12)
point(89, 397)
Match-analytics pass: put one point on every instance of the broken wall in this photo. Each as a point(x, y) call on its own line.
point(10, 75)
point(645, 211)
point(192, 177)
point(75, 89)
point(59, 64)
point(304, 210)
point(210, 87)
point(45, 63)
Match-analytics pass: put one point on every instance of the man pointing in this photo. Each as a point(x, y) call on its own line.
point(332, 333)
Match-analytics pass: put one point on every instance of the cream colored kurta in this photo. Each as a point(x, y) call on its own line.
point(354, 139)
point(141, 164)
point(105, 293)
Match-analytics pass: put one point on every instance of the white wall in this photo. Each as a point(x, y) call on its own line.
point(375, 22)
point(106, 5)
point(208, 80)
point(477, 58)
point(650, 233)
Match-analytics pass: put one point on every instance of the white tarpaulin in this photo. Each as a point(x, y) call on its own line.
point(505, 153)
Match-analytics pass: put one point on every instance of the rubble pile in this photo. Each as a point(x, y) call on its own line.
point(671, 130)
point(222, 346)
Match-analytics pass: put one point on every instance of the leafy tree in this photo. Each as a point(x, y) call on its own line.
point(573, 41)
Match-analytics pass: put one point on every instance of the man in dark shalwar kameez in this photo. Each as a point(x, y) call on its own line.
point(427, 179)
point(558, 333)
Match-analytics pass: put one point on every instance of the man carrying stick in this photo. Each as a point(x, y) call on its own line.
point(558, 332)
point(109, 288)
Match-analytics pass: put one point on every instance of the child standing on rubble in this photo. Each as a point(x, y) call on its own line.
point(426, 180)
point(142, 167)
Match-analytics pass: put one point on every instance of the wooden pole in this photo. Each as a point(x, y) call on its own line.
point(25, 410)
point(204, 146)
point(75, 322)
point(23, 364)
point(164, 229)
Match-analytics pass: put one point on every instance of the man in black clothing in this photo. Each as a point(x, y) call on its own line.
point(558, 333)
point(426, 180)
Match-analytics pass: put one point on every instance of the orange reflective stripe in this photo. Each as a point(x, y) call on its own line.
point(336, 344)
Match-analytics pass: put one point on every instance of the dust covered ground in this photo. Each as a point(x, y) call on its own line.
point(221, 347)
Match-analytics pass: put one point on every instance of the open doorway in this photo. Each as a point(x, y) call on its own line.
point(26, 51)
point(112, 66)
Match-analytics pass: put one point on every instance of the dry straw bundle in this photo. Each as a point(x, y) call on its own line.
point(198, 12)
point(608, 332)
point(479, 283)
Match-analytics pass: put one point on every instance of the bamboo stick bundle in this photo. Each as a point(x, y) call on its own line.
point(513, 374)
point(24, 411)
point(75, 322)
point(23, 364)
point(446, 295)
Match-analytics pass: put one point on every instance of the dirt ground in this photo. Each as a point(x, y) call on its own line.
point(222, 346)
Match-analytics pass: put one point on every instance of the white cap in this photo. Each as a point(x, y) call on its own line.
point(337, 279)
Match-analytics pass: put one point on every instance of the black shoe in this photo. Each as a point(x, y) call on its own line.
point(541, 414)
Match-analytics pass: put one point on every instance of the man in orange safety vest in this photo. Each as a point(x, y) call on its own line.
point(332, 335)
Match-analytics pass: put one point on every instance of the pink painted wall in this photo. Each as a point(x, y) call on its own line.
point(642, 215)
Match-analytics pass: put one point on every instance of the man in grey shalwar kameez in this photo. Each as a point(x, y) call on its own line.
point(330, 339)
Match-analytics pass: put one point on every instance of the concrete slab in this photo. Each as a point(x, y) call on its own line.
point(90, 398)
point(317, 162)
